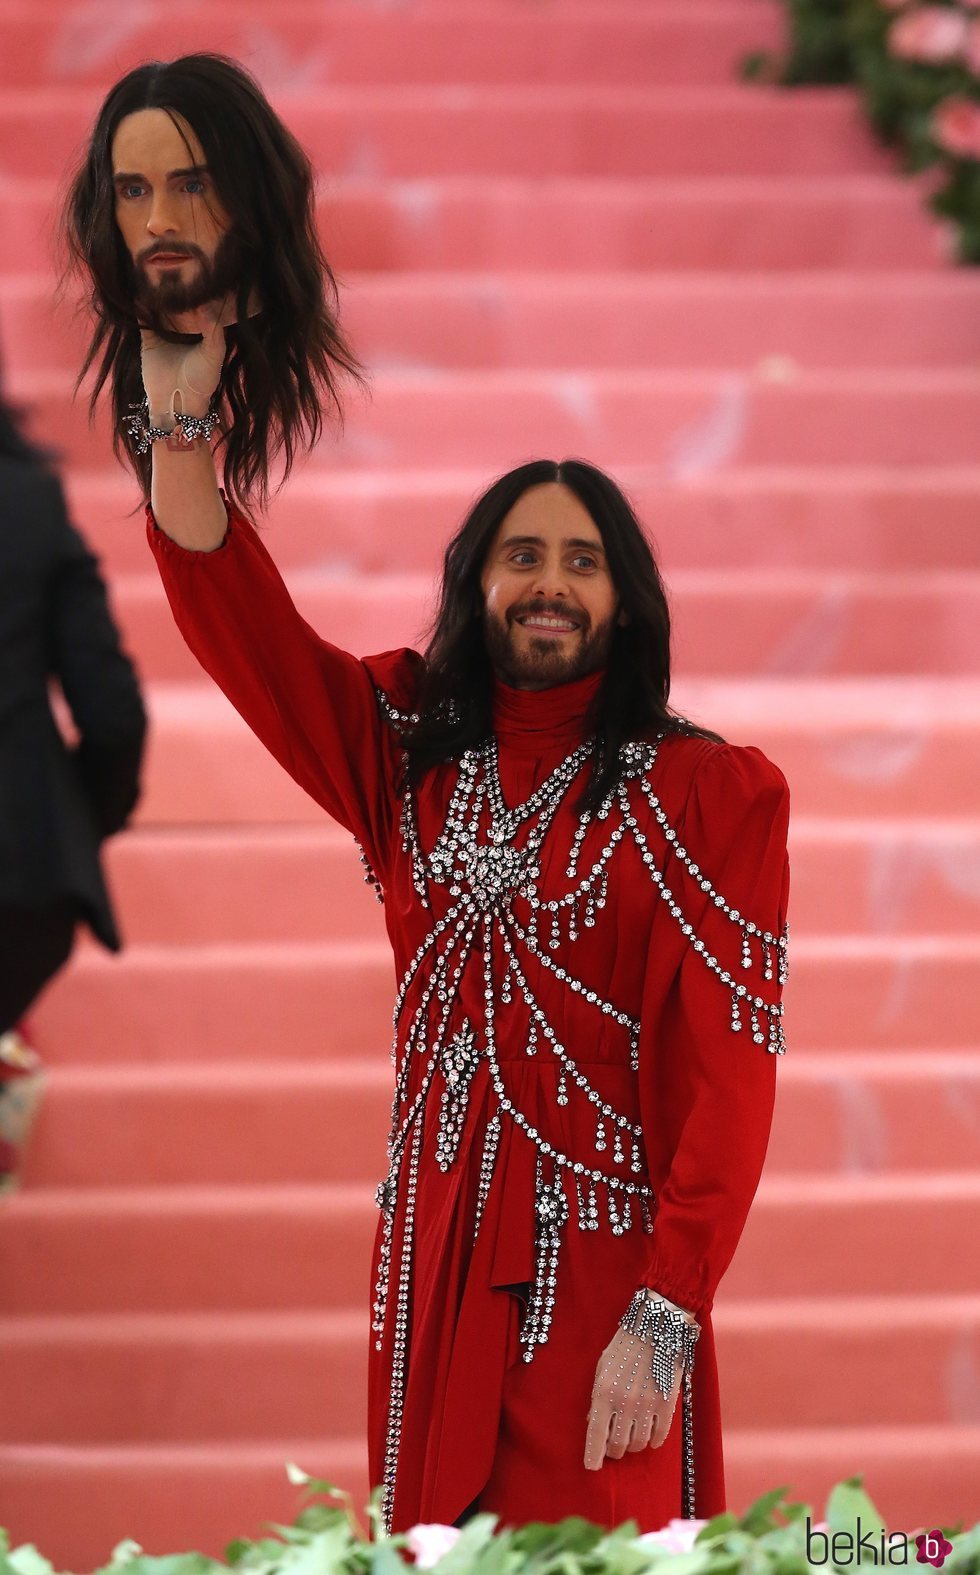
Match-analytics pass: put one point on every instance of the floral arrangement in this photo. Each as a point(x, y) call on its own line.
point(917, 63)
point(773, 1537)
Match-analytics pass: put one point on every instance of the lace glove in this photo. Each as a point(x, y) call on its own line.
point(638, 1379)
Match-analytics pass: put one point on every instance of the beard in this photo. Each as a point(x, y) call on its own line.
point(546, 660)
point(160, 299)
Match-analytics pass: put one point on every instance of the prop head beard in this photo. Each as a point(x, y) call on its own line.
point(161, 295)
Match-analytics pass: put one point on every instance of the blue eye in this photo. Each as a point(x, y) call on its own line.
point(195, 186)
point(131, 189)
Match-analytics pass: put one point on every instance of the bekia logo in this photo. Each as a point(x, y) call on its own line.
point(841, 1548)
point(933, 1548)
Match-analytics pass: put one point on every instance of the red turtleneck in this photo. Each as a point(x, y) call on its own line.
point(477, 1420)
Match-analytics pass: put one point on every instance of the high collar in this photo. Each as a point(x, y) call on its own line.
point(539, 716)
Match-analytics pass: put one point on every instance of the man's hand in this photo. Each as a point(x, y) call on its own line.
point(187, 504)
point(628, 1411)
point(183, 377)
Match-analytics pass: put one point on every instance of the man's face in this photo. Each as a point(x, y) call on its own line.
point(550, 605)
point(172, 224)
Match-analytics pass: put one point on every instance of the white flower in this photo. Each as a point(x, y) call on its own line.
point(429, 1543)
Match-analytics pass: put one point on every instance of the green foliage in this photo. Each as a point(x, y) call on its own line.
point(833, 42)
point(324, 1539)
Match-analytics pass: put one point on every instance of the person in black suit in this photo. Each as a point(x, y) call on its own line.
point(58, 802)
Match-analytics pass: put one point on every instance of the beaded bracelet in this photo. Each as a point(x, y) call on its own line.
point(186, 429)
point(654, 1320)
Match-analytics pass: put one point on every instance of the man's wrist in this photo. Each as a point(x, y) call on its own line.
point(668, 1330)
point(179, 430)
point(657, 1295)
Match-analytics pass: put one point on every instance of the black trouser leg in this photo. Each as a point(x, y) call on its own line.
point(34, 944)
point(470, 1509)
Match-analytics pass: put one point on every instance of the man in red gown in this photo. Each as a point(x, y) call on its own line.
point(586, 899)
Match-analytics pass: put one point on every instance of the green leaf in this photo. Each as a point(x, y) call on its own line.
point(168, 1564)
point(313, 1485)
point(847, 1502)
point(124, 1554)
point(798, 1512)
point(385, 1561)
point(759, 1515)
point(28, 1561)
point(237, 1551)
point(694, 1563)
point(473, 1538)
point(573, 1535)
point(716, 1527)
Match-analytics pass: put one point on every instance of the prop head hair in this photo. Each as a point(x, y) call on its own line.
point(285, 363)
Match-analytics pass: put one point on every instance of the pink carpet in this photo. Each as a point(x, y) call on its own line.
point(561, 229)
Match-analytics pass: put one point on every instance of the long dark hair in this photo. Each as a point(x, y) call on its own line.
point(454, 704)
point(284, 364)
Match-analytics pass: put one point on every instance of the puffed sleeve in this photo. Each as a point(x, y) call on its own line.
point(706, 1091)
point(312, 705)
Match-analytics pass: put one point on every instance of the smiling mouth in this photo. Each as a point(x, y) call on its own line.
point(550, 625)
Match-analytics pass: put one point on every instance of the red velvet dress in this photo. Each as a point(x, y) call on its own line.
point(470, 1418)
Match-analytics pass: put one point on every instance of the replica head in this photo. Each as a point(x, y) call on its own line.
point(550, 577)
point(191, 189)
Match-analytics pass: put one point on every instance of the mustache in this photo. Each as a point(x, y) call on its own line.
point(171, 249)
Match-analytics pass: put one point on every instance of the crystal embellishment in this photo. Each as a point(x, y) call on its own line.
point(459, 1062)
point(493, 933)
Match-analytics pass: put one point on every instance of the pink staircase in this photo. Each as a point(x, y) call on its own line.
point(561, 228)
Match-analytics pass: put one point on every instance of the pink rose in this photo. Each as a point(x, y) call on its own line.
point(955, 127)
point(429, 1543)
point(676, 1537)
point(971, 49)
point(930, 33)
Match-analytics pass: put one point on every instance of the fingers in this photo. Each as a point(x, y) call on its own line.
point(664, 1418)
point(628, 1412)
point(595, 1437)
point(641, 1431)
point(618, 1399)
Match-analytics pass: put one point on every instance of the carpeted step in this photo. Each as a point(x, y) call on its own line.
point(757, 622)
point(283, 1122)
point(463, 222)
point(306, 1001)
point(304, 44)
point(835, 520)
point(682, 423)
point(182, 885)
point(186, 1276)
point(215, 1492)
point(537, 130)
point(248, 1377)
point(611, 321)
point(913, 743)
point(894, 1462)
point(79, 1501)
point(266, 1248)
